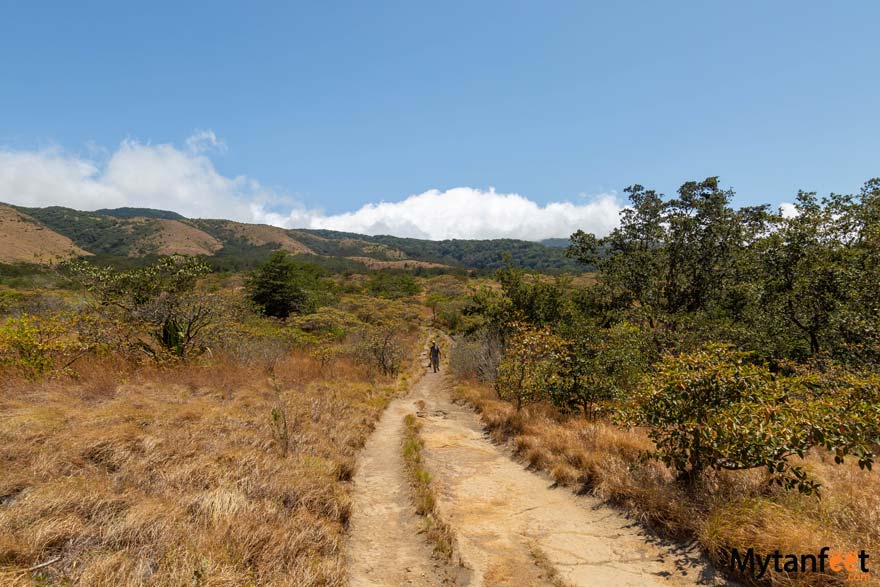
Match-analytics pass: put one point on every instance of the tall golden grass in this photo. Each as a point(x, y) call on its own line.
point(174, 476)
point(726, 510)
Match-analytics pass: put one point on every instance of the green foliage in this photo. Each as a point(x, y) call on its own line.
point(27, 275)
point(282, 286)
point(447, 297)
point(529, 369)
point(92, 231)
point(10, 298)
point(600, 365)
point(393, 284)
point(713, 409)
point(129, 212)
point(486, 255)
point(161, 297)
point(532, 299)
point(788, 286)
point(34, 346)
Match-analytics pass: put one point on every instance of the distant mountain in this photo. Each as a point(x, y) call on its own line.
point(561, 243)
point(127, 212)
point(480, 254)
point(132, 233)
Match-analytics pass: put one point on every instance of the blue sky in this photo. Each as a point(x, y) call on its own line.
point(331, 106)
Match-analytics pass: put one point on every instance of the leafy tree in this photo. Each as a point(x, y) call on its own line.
point(675, 256)
point(536, 299)
point(528, 370)
point(714, 410)
point(522, 298)
point(820, 275)
point(281, 286)
point(599, 365)
point(631, 261)
point(161, 298)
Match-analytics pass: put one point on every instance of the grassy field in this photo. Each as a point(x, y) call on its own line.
point(186, 474)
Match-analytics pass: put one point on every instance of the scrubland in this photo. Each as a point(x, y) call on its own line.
point(231, 467)
point(725, 510)
point(716, 375)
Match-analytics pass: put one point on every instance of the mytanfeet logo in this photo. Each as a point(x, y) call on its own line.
point(853, 564)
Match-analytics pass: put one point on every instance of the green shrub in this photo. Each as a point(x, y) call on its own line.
point(34, 346)
point(529, 370)
point(393, 285)
point(599, 366)
point(713, 409)
point(281, 286)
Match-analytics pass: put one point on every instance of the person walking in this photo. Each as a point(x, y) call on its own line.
point(435, 356)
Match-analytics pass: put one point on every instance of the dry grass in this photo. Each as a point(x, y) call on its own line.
point(23, 239)
point(727, 510)
point(542, 561)
point(438, 532)
point(174, 477)
point(173, 237)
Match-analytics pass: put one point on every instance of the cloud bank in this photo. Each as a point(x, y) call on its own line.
point(185, 180)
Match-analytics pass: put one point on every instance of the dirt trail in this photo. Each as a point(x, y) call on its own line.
point(505, 518)
point(384, 546)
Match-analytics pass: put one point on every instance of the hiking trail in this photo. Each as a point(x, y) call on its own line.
point(512, 526)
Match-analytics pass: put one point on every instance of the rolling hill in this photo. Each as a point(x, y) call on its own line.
point(40, 234)
point(23, 240)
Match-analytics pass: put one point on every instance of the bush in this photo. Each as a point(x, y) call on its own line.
point(529, 369)
point(712, 409)
point(160, 299)
point(477, 356)
point(382, 349)
point(34, 346)
point(386, 284)
point(600, 365)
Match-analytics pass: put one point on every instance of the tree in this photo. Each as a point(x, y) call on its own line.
point(278, 286)
point(160, 299)
point(599, 365)
point(820, 269)
point(631, 259)
point(529, 369)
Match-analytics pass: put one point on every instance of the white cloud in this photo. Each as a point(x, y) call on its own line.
point(204, 140)
point(469, 213)
point(788, 210)
point(136, 174)
point(186, 181)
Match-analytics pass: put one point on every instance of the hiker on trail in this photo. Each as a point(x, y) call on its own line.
point(435, 356)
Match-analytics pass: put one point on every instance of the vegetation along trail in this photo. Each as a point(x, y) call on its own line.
point(511, 526)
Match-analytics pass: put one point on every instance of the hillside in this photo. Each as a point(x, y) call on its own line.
point(479, 254)
point(143, 232)
point(23, 240)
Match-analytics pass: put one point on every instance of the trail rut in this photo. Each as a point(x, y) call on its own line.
point(505, 518)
